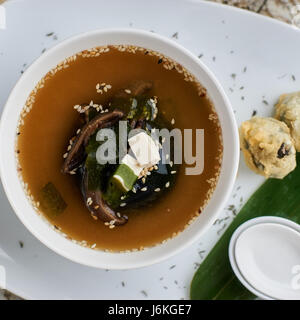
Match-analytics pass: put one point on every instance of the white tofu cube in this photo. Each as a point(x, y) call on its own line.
point(132, 164)
point(144, 149)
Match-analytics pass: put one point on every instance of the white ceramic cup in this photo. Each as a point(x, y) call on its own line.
point(38, 226)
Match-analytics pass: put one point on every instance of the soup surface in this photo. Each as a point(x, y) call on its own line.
point(49, 120)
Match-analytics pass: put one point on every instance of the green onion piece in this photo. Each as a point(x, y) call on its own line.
point(51, 201)
point(215, 279)
point(119, 184)
point(124, 178)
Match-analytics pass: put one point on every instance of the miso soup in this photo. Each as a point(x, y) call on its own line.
point(121, 206)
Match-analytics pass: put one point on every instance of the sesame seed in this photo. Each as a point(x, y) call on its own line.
point(89, 201)
point(167, 184)
point(111, 226)
point(133, 190)
point(78, 131)
point(157, 190)
point(123, 204)
point(106, 223)
point(167, 156)
point(173, 121)
point(173, 172)
point(65, 155)
point(123, 197)
point(144, 189)
point(118, 214)
point(127, 91)
point(111, 222)
point(93, 246)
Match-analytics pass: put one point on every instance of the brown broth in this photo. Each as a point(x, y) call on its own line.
point(52, 121)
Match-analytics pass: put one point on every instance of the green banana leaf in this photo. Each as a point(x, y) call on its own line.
point(215, 280)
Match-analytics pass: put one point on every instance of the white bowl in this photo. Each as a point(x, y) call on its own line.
point(38, 226)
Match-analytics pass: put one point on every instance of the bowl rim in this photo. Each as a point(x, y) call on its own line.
point(137, 259)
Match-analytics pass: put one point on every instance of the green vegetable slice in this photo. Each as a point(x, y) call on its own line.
point(124, 178)
point(51, 200)
point(215, 279)
point(119, 184)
